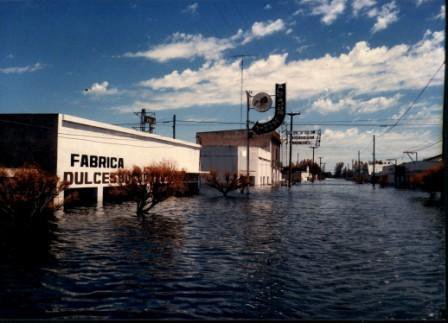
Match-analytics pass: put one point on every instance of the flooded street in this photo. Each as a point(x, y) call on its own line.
point(334, 250)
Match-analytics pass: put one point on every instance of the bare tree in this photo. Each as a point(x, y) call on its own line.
point(151, 185)
point(227, 183)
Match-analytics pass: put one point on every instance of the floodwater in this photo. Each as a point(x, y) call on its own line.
point(341, 251)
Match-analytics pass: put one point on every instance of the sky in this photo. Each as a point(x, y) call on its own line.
point(352, 68)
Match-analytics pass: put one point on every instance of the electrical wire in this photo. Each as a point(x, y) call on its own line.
point(419, 95)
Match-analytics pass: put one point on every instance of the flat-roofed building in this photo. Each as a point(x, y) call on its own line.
point(84, 152)
point(225, 151)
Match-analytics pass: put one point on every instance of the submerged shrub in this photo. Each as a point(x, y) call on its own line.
point(27, 197)
point(151, 185)
point(227, 183)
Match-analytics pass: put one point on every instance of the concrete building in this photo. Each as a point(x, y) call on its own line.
point(85, 152)
point(225, 151)
point(379, 164)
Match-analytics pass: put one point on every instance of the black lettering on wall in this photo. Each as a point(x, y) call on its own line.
point(79, 178)
point(97, 178)
point(113, 162)
point(106, 178)
point(68, 178)
point(93, 161)
point(74, 159)
point(102, 162)
point(86, 177)
point(120, 163)
point(84, 161)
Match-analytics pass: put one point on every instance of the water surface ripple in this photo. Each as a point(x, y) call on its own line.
point(317, 252)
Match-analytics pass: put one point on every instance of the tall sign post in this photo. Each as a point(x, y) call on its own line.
point(291, 114)
point(262, 102)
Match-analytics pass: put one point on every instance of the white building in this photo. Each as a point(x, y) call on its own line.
point(84, 152)
point(226, 151)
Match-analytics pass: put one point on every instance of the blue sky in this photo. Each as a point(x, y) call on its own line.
point(342, 60)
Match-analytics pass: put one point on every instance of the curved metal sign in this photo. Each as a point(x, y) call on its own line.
point(280, 112)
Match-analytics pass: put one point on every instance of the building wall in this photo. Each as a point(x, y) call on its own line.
point(106, 145)
point(221, 159)
point(259, 164)
point(264, 154)
point(28, 139)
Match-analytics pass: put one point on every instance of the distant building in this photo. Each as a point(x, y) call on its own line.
point(225, 151)
point(85, 152)
point(400, 175)
point(379, 164)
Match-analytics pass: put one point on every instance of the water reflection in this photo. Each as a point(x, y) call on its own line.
point(315, 252)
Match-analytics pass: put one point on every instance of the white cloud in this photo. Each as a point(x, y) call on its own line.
point(359, 5)
point(342, 145)
point(267, 7)
point(263, 29)
point(328, 9)
point(191, 9)
point(186, 46)
point(100, 89)
point(441, 14)
point(384, 17)
point(420, 2)
point(289, 31)
point(22, 69)
point(362, 70)
point(375, 104)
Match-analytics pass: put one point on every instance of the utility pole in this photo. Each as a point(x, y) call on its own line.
point(248, 138)
point(291, 114)
point(373, 157)
point(445, 160)
point(320, 168)
point(242, 79)
point(313, 153)
point(359, 163)
point(174, 126)
point(297, 158)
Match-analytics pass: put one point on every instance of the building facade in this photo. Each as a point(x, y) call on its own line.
point(401, 175)
point(226, 151)
point(84, 152)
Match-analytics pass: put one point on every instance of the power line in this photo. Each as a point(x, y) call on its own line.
point(415, 100)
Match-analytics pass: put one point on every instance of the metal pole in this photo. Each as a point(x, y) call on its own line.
point(290, 152)
point(320, 168)
point(248, 137)
point(359, 164)
point(174, 126)
point(373, 157)
point(291, 114)
point(241, 93)
point(445, 160)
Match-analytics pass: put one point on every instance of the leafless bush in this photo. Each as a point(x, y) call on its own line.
point(151, 185)
point(27, 195)
point(227, 183)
